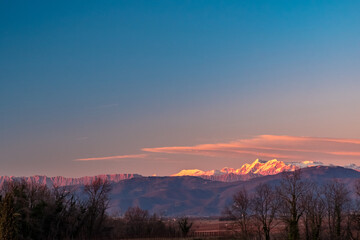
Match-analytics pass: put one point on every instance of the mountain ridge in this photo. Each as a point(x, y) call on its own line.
point(195, 196)
point(247, 171)
point(68, 181)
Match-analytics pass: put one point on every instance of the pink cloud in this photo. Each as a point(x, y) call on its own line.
point(112, 157)
point(286, 148)
point(354, 154)
point(271, 146)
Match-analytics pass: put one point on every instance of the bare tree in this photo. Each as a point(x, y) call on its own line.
point(315, 211)
point(337, 200)
point(96, 205)
point(355, 216)
point(8, 218)
point(184, 225)
point(265, 206)
point(292, 190)
point(65, 213)
point(240, 212)
point(136, 221)
point(56, 213)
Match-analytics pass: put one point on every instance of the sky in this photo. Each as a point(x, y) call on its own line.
point(153, 87)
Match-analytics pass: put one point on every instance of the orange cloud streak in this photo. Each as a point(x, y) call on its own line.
point(355, 154)
point(287, 148)
point(112, 157)
point(272, 146)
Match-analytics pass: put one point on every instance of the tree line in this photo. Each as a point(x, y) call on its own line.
point(293, 209)
point(32, 211)
point(296, 209)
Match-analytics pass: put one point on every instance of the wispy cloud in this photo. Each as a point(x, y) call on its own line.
point(271, 146)
point(286, 148)
point(112, 157)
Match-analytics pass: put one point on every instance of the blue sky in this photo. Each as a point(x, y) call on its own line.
point(82, 79)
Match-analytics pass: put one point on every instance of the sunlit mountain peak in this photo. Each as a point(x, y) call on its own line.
point(256, 168)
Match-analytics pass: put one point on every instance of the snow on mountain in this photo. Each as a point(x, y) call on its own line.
point(256, 169)
point(353, 166)
point(197, 172)
point(305, 164)
point(247, 171)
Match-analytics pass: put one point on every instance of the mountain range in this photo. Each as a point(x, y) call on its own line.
point(245, 172)
point(248, 171)
point(194, 192)
point(195, 196)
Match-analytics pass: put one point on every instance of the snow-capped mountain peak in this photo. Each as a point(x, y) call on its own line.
point(256, 168)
